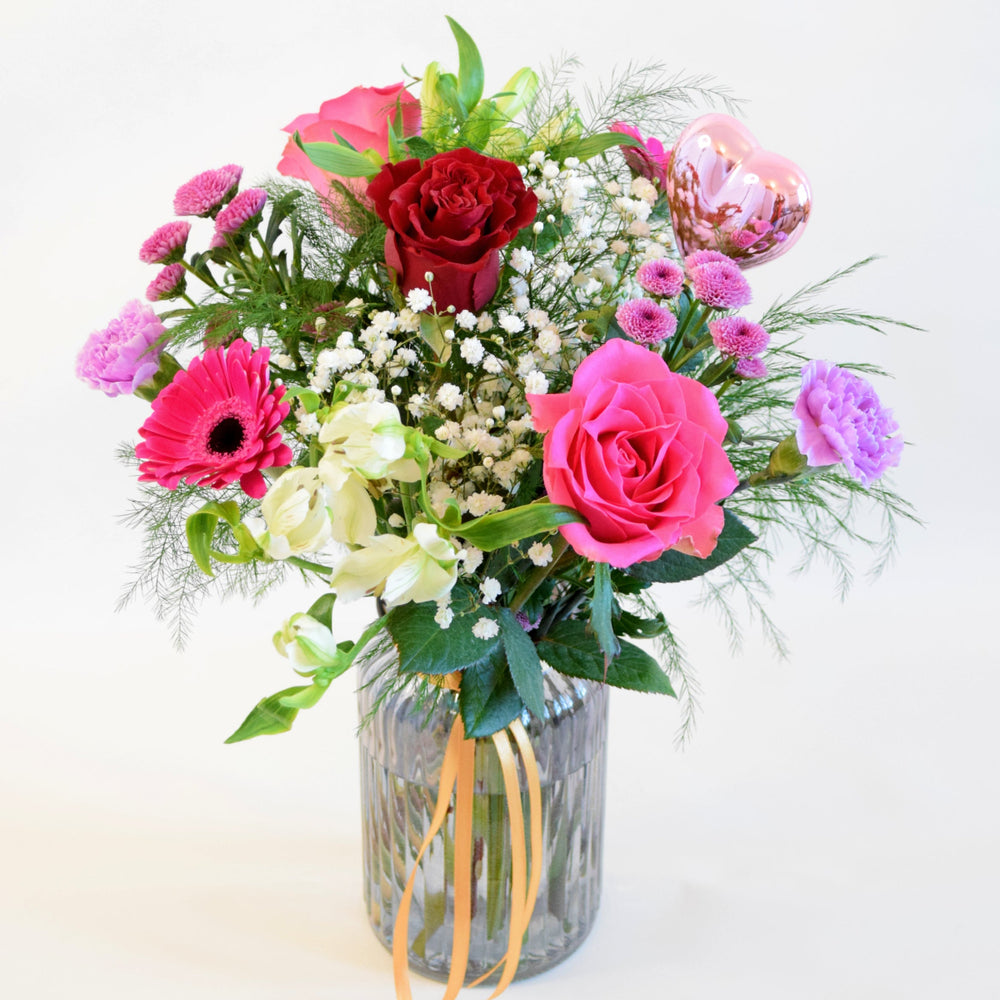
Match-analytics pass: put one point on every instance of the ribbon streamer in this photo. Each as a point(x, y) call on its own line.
point(458, 773)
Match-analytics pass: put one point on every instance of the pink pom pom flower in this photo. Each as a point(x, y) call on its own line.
point(738, 337)
point(216, 422)
point(645, 321)
point(720, 284)
point(240, 213)
point(168, 284)
point(751, 368)
point(205, 193)
point(661, 277)
point(166, 245)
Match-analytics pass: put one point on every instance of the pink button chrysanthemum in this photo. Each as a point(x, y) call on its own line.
point(645, 321)
point(242, 210)
point(166, 245)
point(738, 337)
point(168, 284)
point(751, 368)
point(216, 422)
point(720, 284)
point(661, 277)
point(203, 194)
point(699, 257)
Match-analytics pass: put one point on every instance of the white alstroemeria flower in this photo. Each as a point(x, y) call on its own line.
point(353, 518)
point(296, 515)
point(371, 439)
point(421, 567)
point(306, 642)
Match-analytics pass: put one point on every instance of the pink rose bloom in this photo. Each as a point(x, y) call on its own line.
point(650, 160)
point(637, 450)
point(359, 116)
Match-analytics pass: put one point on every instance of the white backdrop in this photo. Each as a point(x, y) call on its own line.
point(832, 829)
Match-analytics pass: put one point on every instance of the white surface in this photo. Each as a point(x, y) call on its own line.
point(832, 830)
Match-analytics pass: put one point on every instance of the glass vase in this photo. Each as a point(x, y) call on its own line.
point(402, 744)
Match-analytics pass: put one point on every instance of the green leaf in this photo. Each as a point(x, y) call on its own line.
point(426, 648)
point(488, 699)
point(522, 658)
point(418, 146)
point(627, 623)
point(447, 88)
point(600, 612)
point(494, 531)
point(322, 610)
point(305, 697)
point(570, 649)
point(339, 159)
point(200, 529)
point(470, 67)
point(280, 210)
point(591, 145)
point(673, 567)
point(309, 398)
point(269, 716)
point(518, 93)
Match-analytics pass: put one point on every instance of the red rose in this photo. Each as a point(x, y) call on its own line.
point(451, 216)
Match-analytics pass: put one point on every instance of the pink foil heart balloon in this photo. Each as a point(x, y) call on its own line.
point(727, 193)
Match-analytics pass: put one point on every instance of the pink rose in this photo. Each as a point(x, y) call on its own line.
point(637, 450)
point(359, 116)
point(648, 160)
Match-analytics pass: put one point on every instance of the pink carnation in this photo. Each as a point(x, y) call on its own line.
point(720, 285)
point(125, 353)
point(661, 277)
point(738, 337)
point(751, 368)
point(218, 421)
point(645, 321)
point(166, 245)
point(241, 211)
point(203, 194)
point(168, 284)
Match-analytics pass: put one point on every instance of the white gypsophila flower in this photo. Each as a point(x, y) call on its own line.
point(536, 383)
point(488, 462)
point(644, 189)
point(526, 363)
point(472, 559)
point(563, 271)
point(518, 286)
point(355, 304)
point(544, 194)
point(440, 493)
point(536, 318)
point(492, 365)
point(540, 553)
point(396, 390)
point(538, 228)
point(444, 616)
point(571, 161)
point(282, 360)
point(521, 303)
point(605, 273)
point(499, 412)
point(654, 251)
point(417, 404)
point(485, 628)
point(485, 323)
point(584, 226)
point(472, 350)
point(598, 244)
point(521, 457)
point(384, 321)
point(307, 424)
point(397, 521)
point(592, 287)
point(345, 340)
point(638, 228)
point(321, 379)
point(409, 321)
point(490, 589)
point(449, 396)
point(418, 299)
point(522, 260)
point(613, 188)
point(537, 158)
point(466, 320)
point(482, 503)
point(505, 473)
point(548, 341)
point(406, 356)
point(619, 247)
point(550, 170)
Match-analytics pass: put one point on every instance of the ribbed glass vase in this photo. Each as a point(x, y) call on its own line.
point(402, 748)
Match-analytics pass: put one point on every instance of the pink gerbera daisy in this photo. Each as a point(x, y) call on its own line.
point(216, 422)
point(645, 321)
point(241, 211)
point(166, 245)
point(168, 283)
point(661, 277)
point(205, 193)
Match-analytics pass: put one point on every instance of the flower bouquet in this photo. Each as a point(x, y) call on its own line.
point(487, 365)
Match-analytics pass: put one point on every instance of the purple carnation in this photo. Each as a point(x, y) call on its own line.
point(661, 277)
point(166, 245)
point(203, 194)
point(720, 284)
point(751, 368)
point(738, 337)
point(241, 211)
point(168, 283)
point(841, 420)
point(122, 356)
point(645, 321)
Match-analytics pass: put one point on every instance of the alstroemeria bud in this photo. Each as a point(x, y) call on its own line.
point(309, 644)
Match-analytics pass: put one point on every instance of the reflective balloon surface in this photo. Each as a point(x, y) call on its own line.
point(727, 193)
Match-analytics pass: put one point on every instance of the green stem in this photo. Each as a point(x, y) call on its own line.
point(308, 565)
point(678, 363)
point(270, 261)
point(406, 494)
point(538, 576)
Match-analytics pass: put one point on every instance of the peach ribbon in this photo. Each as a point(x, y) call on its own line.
point(458, 776)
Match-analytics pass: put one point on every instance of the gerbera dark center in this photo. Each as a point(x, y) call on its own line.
point(227, 436)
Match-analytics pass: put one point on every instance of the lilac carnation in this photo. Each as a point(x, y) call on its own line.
point(243, 209)
point(203, 194)
point(841, 420)
point(661, 277)
point(738, 337)
point(720, 284)
point(751, 368)
point(645, 321)
point(168, 284)
point(122, 356)
point(166, 245)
